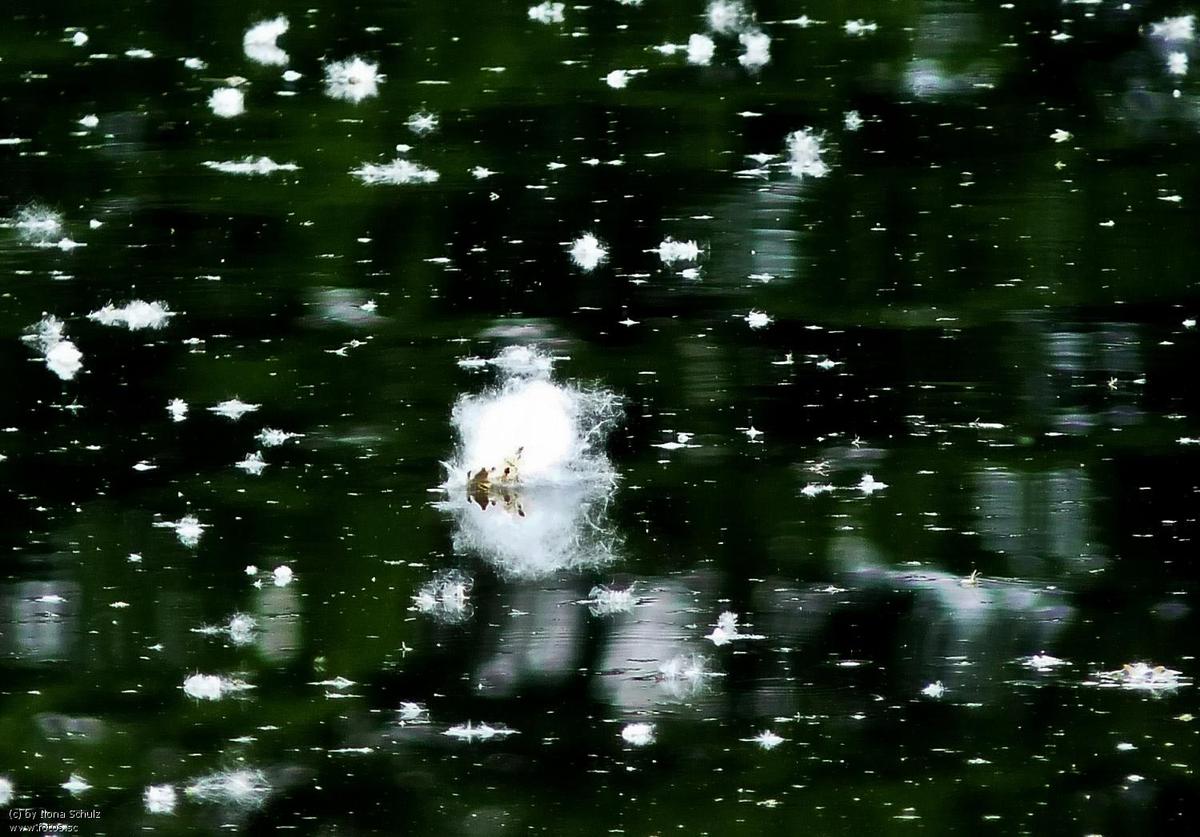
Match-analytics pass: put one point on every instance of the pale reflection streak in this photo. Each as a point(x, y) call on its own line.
point(42, 621)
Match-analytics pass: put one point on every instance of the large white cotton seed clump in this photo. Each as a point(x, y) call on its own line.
point(757, 46)
point(188, 529)
point(249, 166)
point(530, 532)
point(548, 424)
point(446, 597)
point(1174, 29)
point(159, 799)
point(37, 223)
point(726, 16)
point(135, 316)
point(547, 12)
point(639, 735)
point(243, 788)
point(212, 686)
point(700, 49)
point(398, 172)
point(529, 480)
point(587, 252)
point(671, 251)
point(62, 357)
point(352, 80)
point(806, 154)
point(605, 601)
point(227, 102)
point(259, 42)
point(685, 675)
point(482, 732)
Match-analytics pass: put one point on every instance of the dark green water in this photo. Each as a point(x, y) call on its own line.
point(1003, 317)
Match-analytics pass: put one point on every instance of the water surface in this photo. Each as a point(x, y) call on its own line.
point(983, 305)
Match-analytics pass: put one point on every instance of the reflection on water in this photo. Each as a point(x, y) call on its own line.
point(532, 531)
point(666, 416)
point(42, 623)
